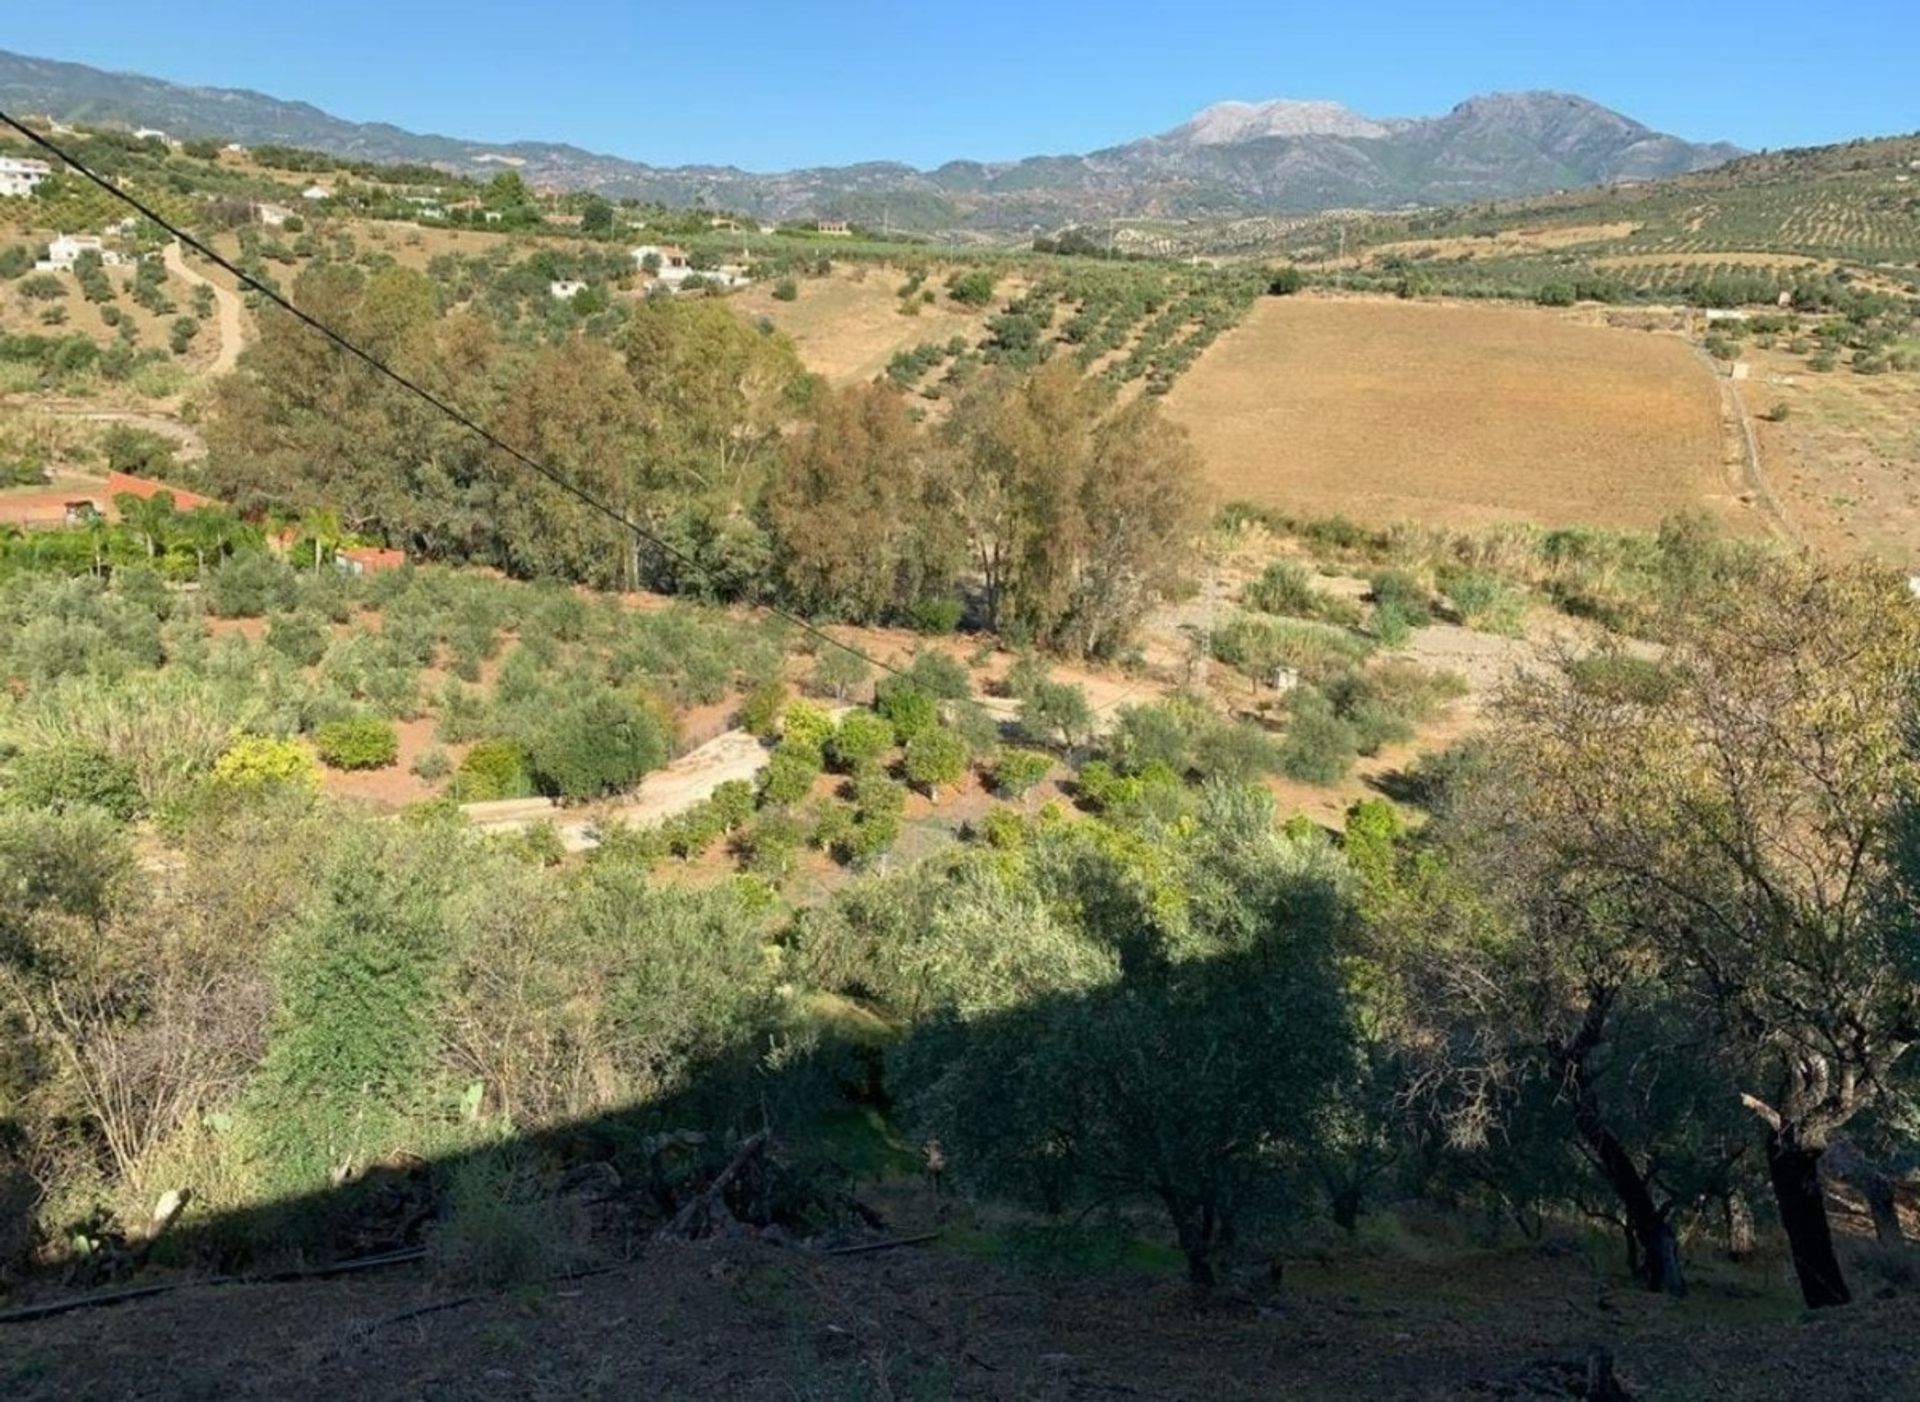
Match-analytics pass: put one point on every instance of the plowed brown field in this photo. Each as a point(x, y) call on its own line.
point(1456, 415)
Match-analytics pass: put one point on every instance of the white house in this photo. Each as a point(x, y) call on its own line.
point(316, 192)
point(19, 177)
point(671, 261)
point(64, 251)
point(565, 289)
point(144, 133)
point(274, 216)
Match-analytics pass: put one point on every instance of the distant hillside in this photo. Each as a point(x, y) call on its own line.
point(1231, 160)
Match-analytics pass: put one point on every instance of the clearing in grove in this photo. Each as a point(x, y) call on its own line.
point(1457, 415)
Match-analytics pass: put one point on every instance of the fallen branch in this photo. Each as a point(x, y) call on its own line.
point(114, 1297)
point(684, 1219)
point(880, 1245)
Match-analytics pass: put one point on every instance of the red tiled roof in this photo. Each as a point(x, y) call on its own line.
point(373, 557)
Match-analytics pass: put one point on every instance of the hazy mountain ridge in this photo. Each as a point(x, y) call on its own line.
point(1234, 158)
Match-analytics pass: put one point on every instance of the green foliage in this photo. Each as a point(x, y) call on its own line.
point(1017, 771)
point(493, 769)
point(786, 290)
point(861, 738)
point(432, 765)
point(249, 585)
point(1056, 712)
point(299, 637)
point(806, 726)
point(258, 762)
point(357, 744)
point(908, 709)
point(760, 712)
point(971, 288)
point(837, 671)
point(69, 775)
point(1320, 746)
point(936, 758)
point(939, 676)
point(789, 775)
point(595, 744)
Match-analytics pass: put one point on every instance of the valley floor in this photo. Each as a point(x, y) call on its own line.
point(748, 1318)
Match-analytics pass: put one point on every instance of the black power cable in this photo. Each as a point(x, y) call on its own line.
point(479, 430)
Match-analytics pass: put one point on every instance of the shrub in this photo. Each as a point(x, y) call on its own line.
point(1284, 587)
point(862, 737)
point(874, 794)
point(300, 637)
point(1485, 601)
point(936, 758)
point(1319, 747)
point(910, 710)
point(789, 775)
point(806, 725)
point(1004, 828)
point(598, 744)
point(770, 843)
point(971, 289)
point(363, 743)
point(831, 823)
point(497, 1229)
point(1056, 711)
point(1400, 590)
point(249, 585)
point(493, 769)
point(1780, 412)
point(872, 837)
point(1015, 772)
point(256, 762)
point(939, 676)
point(432, 765)
point(68, 775)
point(760, 712)
point(937, 616)
point(837, 671)
point(732, 803)
point(786, 290)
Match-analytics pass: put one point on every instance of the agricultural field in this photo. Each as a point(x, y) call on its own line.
point(848, 325)
point(1462, 415)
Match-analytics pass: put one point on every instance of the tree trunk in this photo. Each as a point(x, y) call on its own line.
point(1797, 1190)
point(1346, 1207)
point(1877, 1188)
point(1652, 1239)
point(1740, 1245)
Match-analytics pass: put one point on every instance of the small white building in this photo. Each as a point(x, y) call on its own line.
point(152, 134)
point(274, 216)
point(316, 192)
point(565, 289)
point(65, 251)
point(670, 261)
point(19, 177)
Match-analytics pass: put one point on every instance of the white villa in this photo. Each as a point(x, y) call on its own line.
point(19, 177)
point(566, 289)
point(316, 192)
point(65, 251)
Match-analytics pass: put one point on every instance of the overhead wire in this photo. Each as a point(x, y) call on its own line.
point(360, 353)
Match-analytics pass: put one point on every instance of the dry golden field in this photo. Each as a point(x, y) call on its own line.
point(1457, 414)
point(848, 325)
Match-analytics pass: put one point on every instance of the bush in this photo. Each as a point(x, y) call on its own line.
point(249, 585)
point(939, 676)
point(789, 775)
point(936, 758)
point(1319, 747)
point(837, 671)
point(732, 804)
point(938, 616)
point(1015, 772)
point(910, 710)
point(599, 744)
point(497, 1229)
point(69, 775)
point(861, 738)
point(493, 769)
point(1004, 828)
point(1284, 587)
point(432, 765)
point(805, 725)
point(971, 289)
point(1056, 711)
point(760, 712)
point(786, 290)
point(1398, 589)
point(299, 637)
point(256, 762)
point(363, 743)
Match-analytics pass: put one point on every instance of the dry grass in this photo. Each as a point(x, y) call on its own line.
point(1456, 415)
point(1845, 462)
point(848, 325)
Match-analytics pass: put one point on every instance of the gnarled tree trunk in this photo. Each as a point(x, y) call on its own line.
point(1794, 1169)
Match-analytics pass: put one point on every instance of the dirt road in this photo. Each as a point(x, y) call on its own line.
point(688, 780)
point(232, 318)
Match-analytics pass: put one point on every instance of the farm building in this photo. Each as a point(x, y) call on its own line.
point(65, 251)
point(833, 228)
point(316, 192)
point(18, 178)
point(565, 289)
point(274, 216)
point(368, 559)
point(669, 258)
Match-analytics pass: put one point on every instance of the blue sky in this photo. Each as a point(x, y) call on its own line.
point(772, 85)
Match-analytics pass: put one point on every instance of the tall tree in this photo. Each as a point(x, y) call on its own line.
point(1744, 813)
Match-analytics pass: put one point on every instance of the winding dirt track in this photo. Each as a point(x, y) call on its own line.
point(232, 319)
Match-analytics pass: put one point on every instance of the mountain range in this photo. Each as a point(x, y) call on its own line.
point(1230, 160)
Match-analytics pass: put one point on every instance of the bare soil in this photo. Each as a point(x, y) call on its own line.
point(1456, 414)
